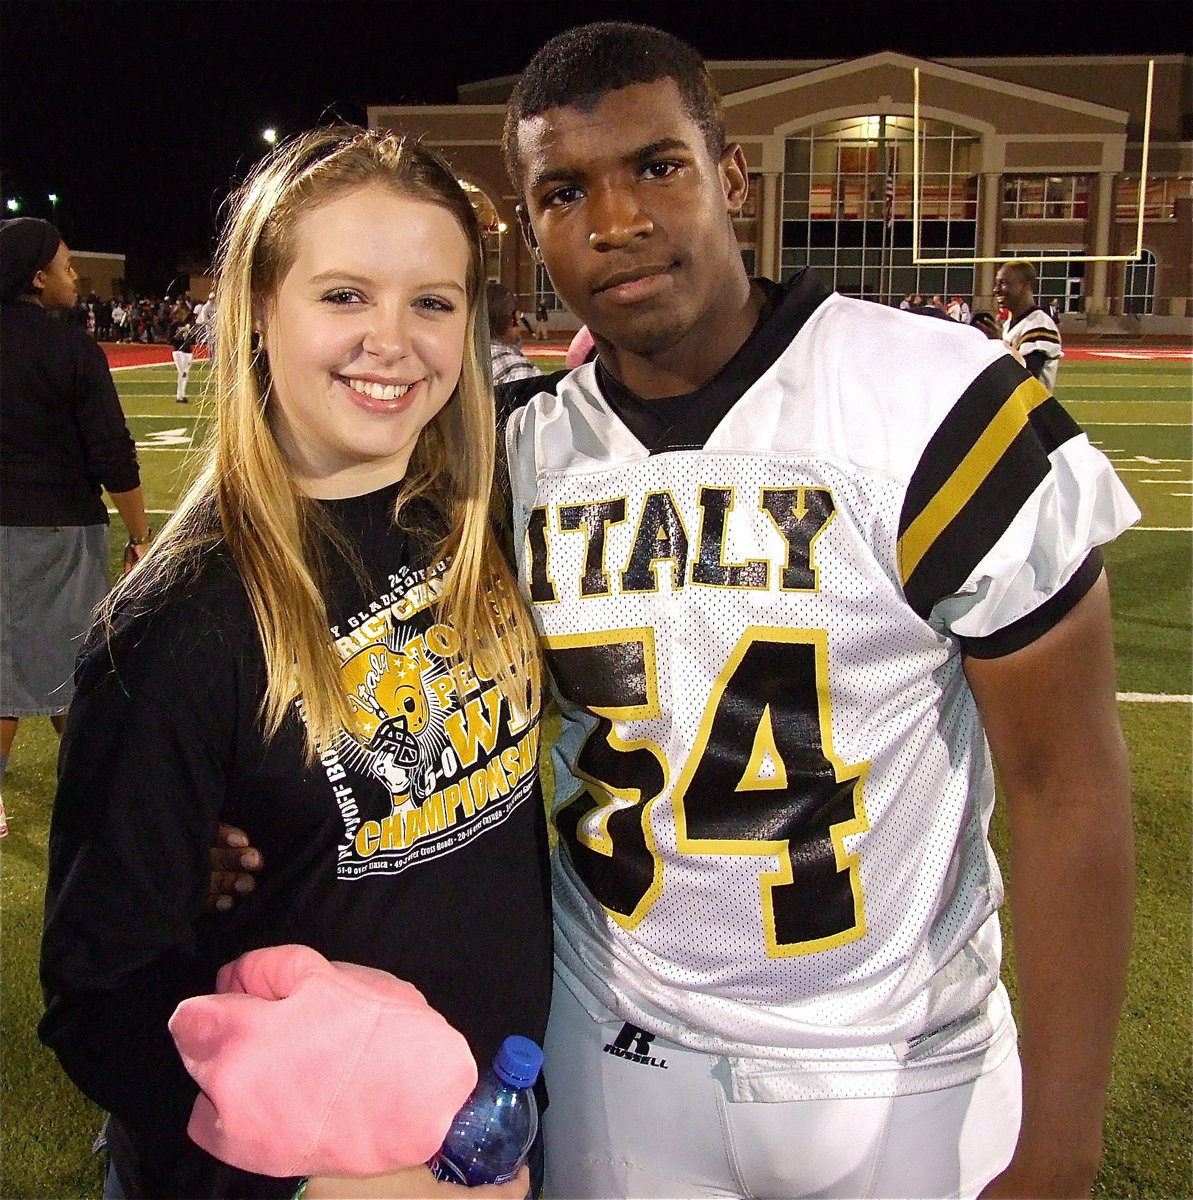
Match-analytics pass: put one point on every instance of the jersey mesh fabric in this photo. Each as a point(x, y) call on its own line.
point(1037, 331)
point(772, 784)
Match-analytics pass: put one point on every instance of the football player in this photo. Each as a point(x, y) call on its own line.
point(1029, 330)
point(803, 566)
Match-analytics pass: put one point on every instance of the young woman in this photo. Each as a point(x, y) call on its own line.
point(323, 646)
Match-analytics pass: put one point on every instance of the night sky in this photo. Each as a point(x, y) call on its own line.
point(140, 114)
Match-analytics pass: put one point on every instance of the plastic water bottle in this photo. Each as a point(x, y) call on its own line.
point(493, 1132)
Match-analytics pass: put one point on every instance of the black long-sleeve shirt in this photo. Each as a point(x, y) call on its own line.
point(62, 432)
point(434, 869)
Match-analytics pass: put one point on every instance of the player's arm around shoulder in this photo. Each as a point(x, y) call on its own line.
point(1050, 715)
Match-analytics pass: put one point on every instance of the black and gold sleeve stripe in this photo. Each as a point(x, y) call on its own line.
point(988, 456)
point(1037, 335)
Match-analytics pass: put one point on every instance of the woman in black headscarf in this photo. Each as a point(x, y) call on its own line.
point(62, 439)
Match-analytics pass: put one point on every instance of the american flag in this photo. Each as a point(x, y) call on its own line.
point(888, 206)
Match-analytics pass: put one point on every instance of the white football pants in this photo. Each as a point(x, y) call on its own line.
point(623, 1127)
point(182, 363)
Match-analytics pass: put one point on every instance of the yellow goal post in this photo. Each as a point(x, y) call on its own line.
point(917, 183)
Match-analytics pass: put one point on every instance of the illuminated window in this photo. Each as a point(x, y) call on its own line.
point(848, 205)
point(1139, 284)
point(1159, 198)
point(1045, 197)
point(493, 228)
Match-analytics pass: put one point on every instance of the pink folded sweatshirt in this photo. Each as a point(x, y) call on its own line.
point(309, 1067)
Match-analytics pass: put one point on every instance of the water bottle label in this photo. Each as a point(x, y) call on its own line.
point(443, 1168)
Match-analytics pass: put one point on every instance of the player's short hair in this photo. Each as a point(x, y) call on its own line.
point(502, 307)
point(1025, 270)
point(579, 67)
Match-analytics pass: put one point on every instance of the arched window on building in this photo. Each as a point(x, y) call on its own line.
point(1139, 284)
point(493, 228)
point(848, 206)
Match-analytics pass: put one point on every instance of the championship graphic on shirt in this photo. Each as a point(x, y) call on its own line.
point(437, 756)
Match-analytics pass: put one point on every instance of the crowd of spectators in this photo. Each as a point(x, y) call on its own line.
point(149, 319)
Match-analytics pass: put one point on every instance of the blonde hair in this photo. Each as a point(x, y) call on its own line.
point(245, 493)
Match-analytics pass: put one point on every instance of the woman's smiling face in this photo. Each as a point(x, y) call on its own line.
point(365, 337)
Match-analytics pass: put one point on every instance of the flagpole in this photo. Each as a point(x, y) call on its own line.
point(883, 264)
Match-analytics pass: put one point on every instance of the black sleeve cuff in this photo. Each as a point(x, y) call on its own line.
point(1035, 362)
point(122, 480)
point(1027, 629)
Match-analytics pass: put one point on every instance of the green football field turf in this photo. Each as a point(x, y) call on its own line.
point(1139, 414)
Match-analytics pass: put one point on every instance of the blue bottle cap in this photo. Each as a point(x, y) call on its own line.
point(518, 1061)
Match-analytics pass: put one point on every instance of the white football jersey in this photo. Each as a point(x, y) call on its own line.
point(772, 788)
point(1036, 330)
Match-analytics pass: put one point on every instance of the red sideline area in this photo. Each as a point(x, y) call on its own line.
point(127, 354)
point(135, 354)
point(1138, 353)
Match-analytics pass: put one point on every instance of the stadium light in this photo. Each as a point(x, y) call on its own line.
point(916, 182)
point(12, 204)
point(269, 135)
point(52, 197)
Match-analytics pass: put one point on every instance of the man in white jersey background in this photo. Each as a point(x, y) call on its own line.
point(795, 558)
point(1030, 331)
point(792, 556)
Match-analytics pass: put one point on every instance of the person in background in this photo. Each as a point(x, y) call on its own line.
point(103, 320)
point(205, 317)
point(987, 323)
point(542, 319)
point(1028, 329)
point(183, 336)
point(162, 316)
point(326, 644)
point(505, 335)
point(933, 308)
point(119, 321)
point(63, 440)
